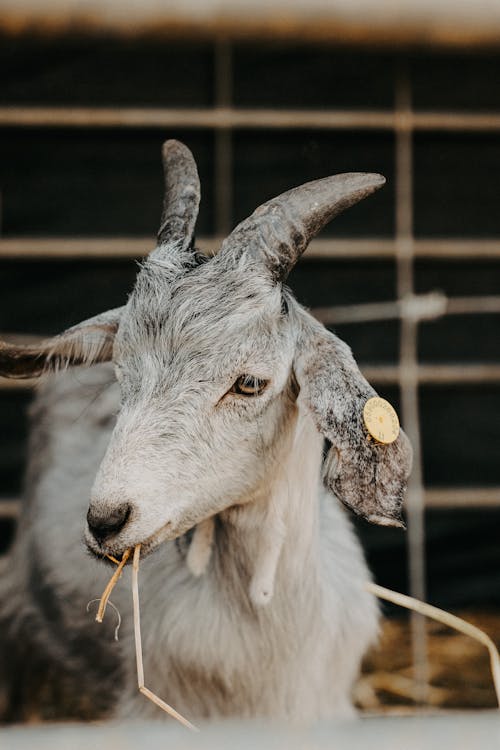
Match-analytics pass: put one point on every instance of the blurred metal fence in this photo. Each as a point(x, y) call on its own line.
point(410, 308)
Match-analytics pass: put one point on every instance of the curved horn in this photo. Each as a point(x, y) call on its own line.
point(280, 230)
point(182, 195)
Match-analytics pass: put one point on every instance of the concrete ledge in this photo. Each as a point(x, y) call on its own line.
point(439, 732)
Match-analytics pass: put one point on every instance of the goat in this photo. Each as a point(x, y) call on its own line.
point(253, 603)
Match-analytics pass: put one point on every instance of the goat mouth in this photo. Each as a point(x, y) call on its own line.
point(111, 553)
point(163, 534)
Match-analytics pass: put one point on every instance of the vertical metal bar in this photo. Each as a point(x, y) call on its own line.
point(223, 172)
point(408, 376)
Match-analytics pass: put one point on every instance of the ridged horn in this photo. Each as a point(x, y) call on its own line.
point(279, 231)
point(182, 195)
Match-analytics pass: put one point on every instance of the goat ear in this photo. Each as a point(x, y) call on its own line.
point(84, 344)
point(367, 476)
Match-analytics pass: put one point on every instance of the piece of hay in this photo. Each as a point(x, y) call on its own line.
point(138, 648)
point(408, 602)
point(118, 615)
point(111, 584)
point(137, 629)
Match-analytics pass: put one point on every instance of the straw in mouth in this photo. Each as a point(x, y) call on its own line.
point(137, 629)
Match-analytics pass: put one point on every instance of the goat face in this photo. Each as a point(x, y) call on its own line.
point(210, 355)
point(204, 361)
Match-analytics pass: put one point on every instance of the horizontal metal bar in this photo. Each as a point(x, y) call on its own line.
point(213, 118)
point(14, 384)
point(436, 374)
point(10, 508)
point(94, 248)
point(468, 305)
point(73, 248)
point(437, 497)
point(462, 497)
point(442, 374)
point(413, 307)
point(231, 118)
point(450, 121)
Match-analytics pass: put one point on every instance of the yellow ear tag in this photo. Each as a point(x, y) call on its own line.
point(381, 420)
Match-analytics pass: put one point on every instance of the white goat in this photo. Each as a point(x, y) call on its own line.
point(226, 390)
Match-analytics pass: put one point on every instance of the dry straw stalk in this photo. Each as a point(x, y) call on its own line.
point(452, 621)
point(138, 648)
point(111, 584)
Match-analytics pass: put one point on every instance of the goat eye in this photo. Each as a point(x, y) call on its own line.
point(247, 385)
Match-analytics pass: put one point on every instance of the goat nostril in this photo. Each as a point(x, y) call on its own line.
point(105, 526)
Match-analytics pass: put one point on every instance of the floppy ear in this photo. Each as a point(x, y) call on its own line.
point(84, 344)
point(367, 476)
